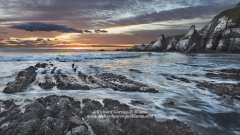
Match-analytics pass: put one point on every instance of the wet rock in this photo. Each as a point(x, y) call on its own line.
point(53, 70)
point(23, 79)
point(222, 89)
point(133, 126)
point(44, 72)
point(231, 76)
point(52, 115)
point(121, 83)
point(134, 102)
point(169, 102)
point(85, 77)
point(80, 130)
point(65, 82)
point(178, 78)
point(134, 70)
point(59, 71)
point(60, 115)
point(41, 65)
point(47, 84)
point(90, 106)
point(233, 71)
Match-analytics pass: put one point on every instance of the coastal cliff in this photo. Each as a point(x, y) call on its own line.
point(222, 34)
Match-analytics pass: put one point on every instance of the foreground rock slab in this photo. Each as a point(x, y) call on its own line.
point(62, 115)
point(53, 115)
point(23, 79)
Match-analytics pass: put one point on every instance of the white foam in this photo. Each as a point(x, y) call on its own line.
point(68, 57)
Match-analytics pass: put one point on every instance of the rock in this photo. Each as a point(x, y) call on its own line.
point(121, 83)
point(172, 77)
point(231, 76)
point(80, 130)
point(47, 84)
point(86, 78)
point(60, 115)
point(221, 89)
point(133, 126)
point(134, 70)
point(44, 72)
point(53, 70)
point(139, 48)
point(172, 44)
point(169, 102)
point(233, 71)
point(222, 34)
point(41, 65)
point(69, 83)
point(134, 102)
point(190, 42)
point(158, 45)
point(52, 115)
point(23, 79)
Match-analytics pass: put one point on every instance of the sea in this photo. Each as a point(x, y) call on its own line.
point(204, 111)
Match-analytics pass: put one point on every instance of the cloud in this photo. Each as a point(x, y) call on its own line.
point(37, 26)
point(100, 31)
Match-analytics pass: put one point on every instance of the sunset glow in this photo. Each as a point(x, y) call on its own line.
point(110, 25)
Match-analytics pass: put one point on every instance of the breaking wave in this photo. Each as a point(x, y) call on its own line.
point(68, 57)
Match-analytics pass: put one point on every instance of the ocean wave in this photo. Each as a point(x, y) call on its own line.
point(68, 57)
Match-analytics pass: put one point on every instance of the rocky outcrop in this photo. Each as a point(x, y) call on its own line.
point(23, 79)
point(53, 115)
point(47, 83)
point(231, 74)
point(116, 82)
point(62, 115)
point(65, 82)
point(139, 48)
point(222, 34)
point(231, 90)
point(141, 124)
point(223, 89)
point(190, 42)
point(158, 45)
point(41, 65)
point(172, 44)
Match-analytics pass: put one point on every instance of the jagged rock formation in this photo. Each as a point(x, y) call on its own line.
point(47, 83)
point(189, 42)
point(222, 34)
point(65, 82)
point(62, 115)
point(158, 45)
point(172, 43)
point(139, 47)
point(116, 82)
point(23, 79)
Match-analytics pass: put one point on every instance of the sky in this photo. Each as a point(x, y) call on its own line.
point(100, 24)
